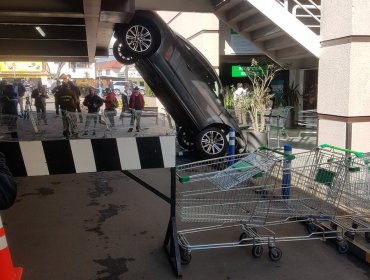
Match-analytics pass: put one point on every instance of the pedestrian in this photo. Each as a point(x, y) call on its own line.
point(27, 109)
point(21, 90)
point(8, 186)
point(40, 95)
point(67, 100)
point(238, 95)
point(93, 103)
point(111, 85)
point(10, 109)
point(111, 104)
point(3, 83)
point(125, 99)
point(125, 96)
point(28, 85)
point(136, 105)
point(78, 95)
point(55, 91)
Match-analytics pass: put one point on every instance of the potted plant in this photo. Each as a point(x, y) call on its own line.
point(258, 101)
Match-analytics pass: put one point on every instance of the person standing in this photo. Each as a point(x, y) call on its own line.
point(8, 186)
point(93, 103)
point(55, 92)
point(67, 100)
point(111, 104)
point(78, 95)
point(136, 105)
point(40, 96)
point(238, 94)
point(125, 99)
point(28, 85)
point(20, 89)
point(10, 108)
point(125, 96)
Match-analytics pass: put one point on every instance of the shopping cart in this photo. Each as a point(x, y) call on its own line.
point(272, 195)
point(355, 198)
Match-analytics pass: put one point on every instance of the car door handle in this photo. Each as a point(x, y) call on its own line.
point(188, 66)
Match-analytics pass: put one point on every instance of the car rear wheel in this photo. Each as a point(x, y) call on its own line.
point(211, 143)
point(141, 38)
point(121, 54)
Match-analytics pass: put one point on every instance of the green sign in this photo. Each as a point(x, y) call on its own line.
point(246, 71)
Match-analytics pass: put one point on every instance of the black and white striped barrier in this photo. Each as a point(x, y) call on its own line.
point(34, 158)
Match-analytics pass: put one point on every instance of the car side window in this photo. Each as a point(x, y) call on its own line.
point(202, 69)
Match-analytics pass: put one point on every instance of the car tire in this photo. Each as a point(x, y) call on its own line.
point(186, 138)
point(140, 38)
point(211, 143)
point(121, 54)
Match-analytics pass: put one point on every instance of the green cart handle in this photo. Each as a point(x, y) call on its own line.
point(287, 156)
point(357, 154)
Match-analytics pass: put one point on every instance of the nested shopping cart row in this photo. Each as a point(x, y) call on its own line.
point(263, 189)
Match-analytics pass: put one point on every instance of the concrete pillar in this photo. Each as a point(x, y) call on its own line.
point(344, 74)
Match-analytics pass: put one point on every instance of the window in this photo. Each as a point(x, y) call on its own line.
point(201, 68)
point(82, 65)
point(107, 72)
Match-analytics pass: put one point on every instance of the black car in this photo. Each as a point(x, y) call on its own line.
point(182, 79)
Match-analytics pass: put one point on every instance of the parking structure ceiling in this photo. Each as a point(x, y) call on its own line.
point(74, 30)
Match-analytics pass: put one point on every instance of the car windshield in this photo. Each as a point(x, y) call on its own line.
point(205, 72)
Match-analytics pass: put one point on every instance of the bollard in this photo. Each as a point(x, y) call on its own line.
point(231, 146)
point(287, 176)
point(7, 270)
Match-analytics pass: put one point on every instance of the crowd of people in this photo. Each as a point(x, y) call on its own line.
point(22, 93)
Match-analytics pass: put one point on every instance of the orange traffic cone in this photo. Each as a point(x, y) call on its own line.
point(7, 271)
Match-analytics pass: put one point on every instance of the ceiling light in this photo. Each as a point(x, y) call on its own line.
point(39, 29)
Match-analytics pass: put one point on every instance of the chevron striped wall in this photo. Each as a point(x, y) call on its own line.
point(34, 158)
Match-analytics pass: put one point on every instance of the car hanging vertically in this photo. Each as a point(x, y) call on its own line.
point(182, 79)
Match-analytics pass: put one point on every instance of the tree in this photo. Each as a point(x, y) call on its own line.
point(256, 102)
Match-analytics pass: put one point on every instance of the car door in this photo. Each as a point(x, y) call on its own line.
point(194, 74)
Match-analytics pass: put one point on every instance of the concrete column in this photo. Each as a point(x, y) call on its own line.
point(344, 74)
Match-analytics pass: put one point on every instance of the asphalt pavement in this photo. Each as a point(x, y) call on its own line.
point(106, 226)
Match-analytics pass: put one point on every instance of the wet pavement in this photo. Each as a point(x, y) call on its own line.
point(106, 226)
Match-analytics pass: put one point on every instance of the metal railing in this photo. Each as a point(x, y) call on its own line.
point(307, 11)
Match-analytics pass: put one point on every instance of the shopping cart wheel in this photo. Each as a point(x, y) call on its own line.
point(257, 251)
point(275, 254)
point(342, 247)
point(185, 256)
point(311, 228)
point(367, 237)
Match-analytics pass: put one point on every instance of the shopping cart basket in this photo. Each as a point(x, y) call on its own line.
point(355, 199)
point(262, 199)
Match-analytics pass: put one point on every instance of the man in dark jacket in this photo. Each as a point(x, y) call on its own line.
point(10, 109)
point(8, 187)
point(136, 106)
point(93, 103)
point(67, 100)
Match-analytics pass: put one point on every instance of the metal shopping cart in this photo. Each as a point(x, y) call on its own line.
point(306, 190)
point(355, 198)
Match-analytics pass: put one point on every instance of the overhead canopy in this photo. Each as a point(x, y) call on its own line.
point(68, 30)
point(75, 30)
